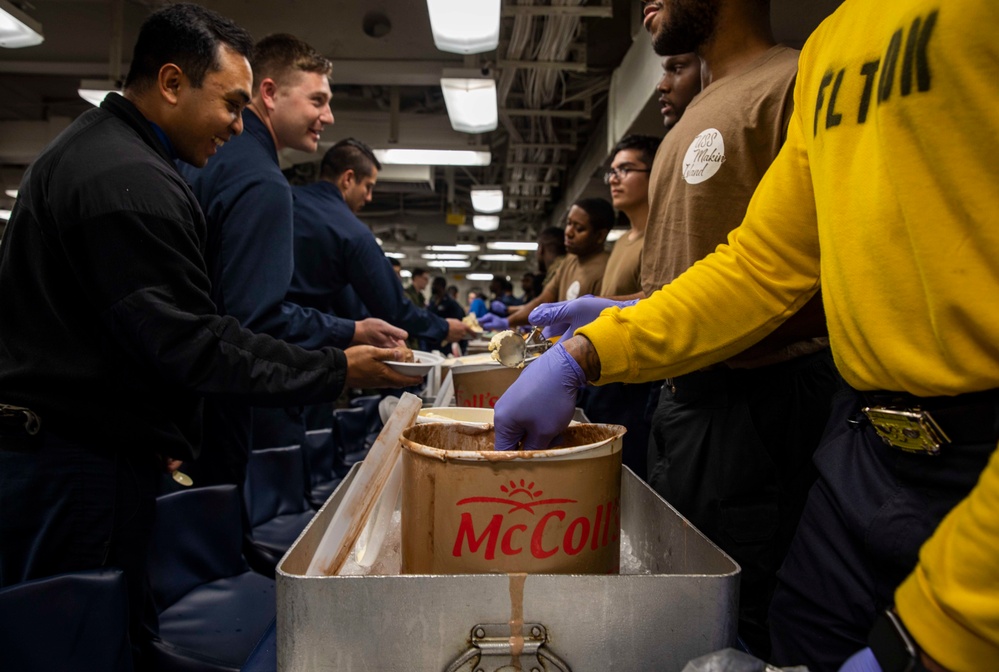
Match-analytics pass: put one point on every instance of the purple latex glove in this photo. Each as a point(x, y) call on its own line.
point(861, 661)
point(491, 322)
point(498, 307)
point(565, 317)
point(540, 403)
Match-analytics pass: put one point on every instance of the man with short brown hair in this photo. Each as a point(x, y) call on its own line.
point(248, 204)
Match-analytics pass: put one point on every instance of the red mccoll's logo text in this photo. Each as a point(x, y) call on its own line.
point(513, 532)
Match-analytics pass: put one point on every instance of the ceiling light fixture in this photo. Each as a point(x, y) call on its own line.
point(4, 214)
point(395, 255)
point(444, 255)
point(479, 277)
point(465, 26)
point(512, 245)
point(615, 234)
point(95, 90)
point(434, 157)
point(11, 192)
point(487, 199)
point(501, 257)
point(461, 247)
point(405, 274)
point(449, 263)
point(17, 29)
point(486, 222)
point(470, 98)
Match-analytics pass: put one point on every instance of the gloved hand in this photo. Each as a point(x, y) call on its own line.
point(498, 307)
point(861, 661)
point(565, 317)
point(540, 403)
point(491, 322)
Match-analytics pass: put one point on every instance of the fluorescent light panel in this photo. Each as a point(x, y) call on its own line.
point(465, 26)
point(95, 90)
point(4, 214)
point(449, 263)
point(395, 255)
point(479, 277)
point(512, 245)
point(501, 257)
point(444, 255)
point(17, 29)
point(461, 247)
point(487, 199)
point(470, 101)
point(485, 222)
point(615, 234)
point(11, 192)
point(433, 157)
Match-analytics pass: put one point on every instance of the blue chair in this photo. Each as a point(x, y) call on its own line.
point(278, 511)
point(212, 608)
point(370, 405)
point(73, 621)
point(324, 467)
point(351, 427)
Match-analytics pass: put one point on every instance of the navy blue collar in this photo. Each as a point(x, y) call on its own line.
point(254, 127)
point(161, 134)
point(328, 186)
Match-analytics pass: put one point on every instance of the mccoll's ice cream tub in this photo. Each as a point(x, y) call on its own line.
point(467, 508)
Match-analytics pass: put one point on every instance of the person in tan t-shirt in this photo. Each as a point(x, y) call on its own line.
point(587, 224)
point(628, 179)
point(731, 447)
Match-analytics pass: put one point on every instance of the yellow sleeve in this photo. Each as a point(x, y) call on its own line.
point(732, 298)
point(950, 602)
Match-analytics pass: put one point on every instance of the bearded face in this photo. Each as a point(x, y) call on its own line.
point(682, 26)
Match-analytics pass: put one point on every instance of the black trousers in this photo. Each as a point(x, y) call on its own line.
point(68, 506)
point(731, 449)
point(624, 404)
point(871, 509)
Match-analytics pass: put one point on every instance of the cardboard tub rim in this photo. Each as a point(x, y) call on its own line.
point(607, 446)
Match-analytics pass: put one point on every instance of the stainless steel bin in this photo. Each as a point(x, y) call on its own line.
point(684, 607)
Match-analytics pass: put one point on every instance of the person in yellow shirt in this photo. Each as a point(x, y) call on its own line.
point(885, 188)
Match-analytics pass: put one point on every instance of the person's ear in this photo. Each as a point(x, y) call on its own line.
point(603, 235)
point(169, 81)
point(346, 180)
point(268, 93)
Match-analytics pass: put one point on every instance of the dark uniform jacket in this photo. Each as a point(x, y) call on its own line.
point(335, 250)
point(106, 325)
point(247, 202)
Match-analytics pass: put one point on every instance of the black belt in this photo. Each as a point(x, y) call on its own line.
point(926, 424)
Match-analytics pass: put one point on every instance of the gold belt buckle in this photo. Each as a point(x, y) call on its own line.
point(911, 430)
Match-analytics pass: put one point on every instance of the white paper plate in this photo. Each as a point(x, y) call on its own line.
point(422, 364)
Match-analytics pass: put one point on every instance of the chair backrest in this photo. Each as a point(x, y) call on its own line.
point(75, 621)
point(274, 484)
point(370, 405)
point(351, 425)
point(319, 452)
point(198, 538)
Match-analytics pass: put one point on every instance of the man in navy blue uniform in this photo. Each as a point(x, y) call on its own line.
point(247, 202)
point(335, 251)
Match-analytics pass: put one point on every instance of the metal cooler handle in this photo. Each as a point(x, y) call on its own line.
point(492, 650)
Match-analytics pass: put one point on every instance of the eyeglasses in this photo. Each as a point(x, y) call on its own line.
point(622, 172)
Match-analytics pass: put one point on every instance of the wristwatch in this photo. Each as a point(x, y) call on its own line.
point(892, 645)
